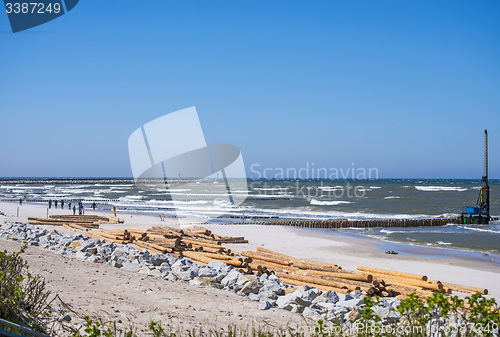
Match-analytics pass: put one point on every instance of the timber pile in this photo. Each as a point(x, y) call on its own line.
point(80, 222)
point(324, 276)
point(197, 243)
point(203, 246)
point(406, 283)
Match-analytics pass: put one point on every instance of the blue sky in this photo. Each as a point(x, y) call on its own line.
point(406, 87)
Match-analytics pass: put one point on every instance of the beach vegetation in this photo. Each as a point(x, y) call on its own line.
point(23, 297)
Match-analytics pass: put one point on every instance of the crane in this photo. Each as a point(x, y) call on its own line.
point(480, 214)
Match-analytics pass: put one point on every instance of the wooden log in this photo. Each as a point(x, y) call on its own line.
point(317, 286)
point(158, 249)
point(353, 277)
point(76, 227)
point(300, 262)
point(393, 273)
point(112, 237)
point(413, 283)
point(314, 280)
point(167, 242)
point(95, 235)
point(203, 244)
point(265, 257)
point(209, 249)
point(115, 231)
point(197, 256)
point(136, 230)
point(273, 266)
point(219, 257)
point(149, 249)
point(71, 228)
point(204, 239)
point(465, 289)
point(154, 237)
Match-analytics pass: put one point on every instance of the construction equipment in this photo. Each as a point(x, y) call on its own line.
point(480, 214)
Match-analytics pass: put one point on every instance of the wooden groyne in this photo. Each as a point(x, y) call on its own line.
point(333, 224)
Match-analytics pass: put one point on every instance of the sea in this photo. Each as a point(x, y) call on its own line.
point(290, 200)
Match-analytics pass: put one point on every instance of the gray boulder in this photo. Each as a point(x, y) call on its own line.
point(170, 277)
point(251, 287)
point(86, 245)
point(230, 279)
point(254, 297)
point(329, 296)
point(219, 266)
point(207, 272)
point(271, 285)
point(243, 280)
point(265, 305)
point(355, 302)
point(159, 259)
point(300, 298)
point(284, 302)
point(311, 313)
point(184, 274)
point(131, 266)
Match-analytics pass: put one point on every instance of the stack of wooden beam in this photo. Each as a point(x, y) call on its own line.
point(202, 246)
point(96, 218)
point(74, 222)
point(399, 283)
point(196, 243)
point(299, 272)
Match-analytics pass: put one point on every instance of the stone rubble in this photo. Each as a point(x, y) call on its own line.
point(268, 290)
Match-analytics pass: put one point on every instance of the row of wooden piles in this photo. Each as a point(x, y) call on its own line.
point(332, 224)
point(80, 222)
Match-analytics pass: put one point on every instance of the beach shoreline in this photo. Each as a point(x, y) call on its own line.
point(347, 251)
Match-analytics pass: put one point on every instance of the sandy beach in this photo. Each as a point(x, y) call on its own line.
point(88, 288)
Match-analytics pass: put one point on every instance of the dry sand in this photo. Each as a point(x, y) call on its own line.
point(96, 288)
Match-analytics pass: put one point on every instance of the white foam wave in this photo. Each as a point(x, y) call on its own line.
point(443, 243)
point(388, 231)
point(392, 197)
point(328, 202)
point(479, 229)
point(440, 188)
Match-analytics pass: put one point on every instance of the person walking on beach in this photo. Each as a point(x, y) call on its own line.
point(74, 209)
point(20, 201)
point(50, 203)
point(55, 203)
point(62, 204)
point(69, 206)
point(93, 205)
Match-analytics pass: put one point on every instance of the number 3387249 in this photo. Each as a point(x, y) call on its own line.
point(32, 7)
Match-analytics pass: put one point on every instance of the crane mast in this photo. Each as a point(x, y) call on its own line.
point(480, 214)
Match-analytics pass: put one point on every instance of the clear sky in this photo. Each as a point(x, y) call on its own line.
point(406, 87)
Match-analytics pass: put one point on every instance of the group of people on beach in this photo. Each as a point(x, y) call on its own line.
point(81, 208)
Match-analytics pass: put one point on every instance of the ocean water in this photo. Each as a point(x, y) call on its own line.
point(280, 200)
